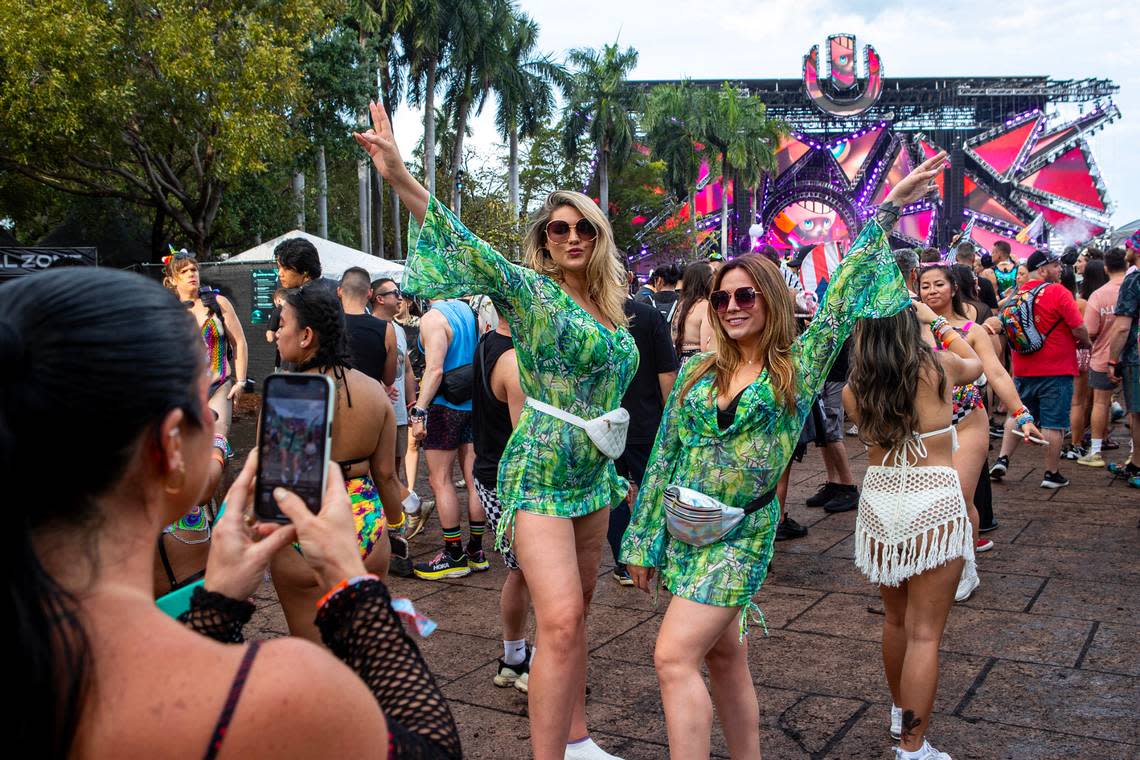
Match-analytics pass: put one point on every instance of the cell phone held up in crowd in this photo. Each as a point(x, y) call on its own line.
point(294, 439)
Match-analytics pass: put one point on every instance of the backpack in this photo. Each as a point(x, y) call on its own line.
point(665, 308)
point(1019, 321)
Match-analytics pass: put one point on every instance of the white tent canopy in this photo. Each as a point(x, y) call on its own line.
point(335, 258)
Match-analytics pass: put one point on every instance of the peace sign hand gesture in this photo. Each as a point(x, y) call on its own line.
point(919, 182)
point(380, 143)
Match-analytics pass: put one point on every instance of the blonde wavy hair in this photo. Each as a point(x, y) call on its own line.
point(605, 274)
point(173, 265)
point(776, 336)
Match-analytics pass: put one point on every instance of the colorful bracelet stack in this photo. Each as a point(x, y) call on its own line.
point(343, 585)
point(1022, 416)
point(943, 332)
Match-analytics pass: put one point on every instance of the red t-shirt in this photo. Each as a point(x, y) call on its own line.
point(1055, 305)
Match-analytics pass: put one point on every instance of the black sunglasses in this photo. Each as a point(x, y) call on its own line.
point(745, 299)
point(558, 231)
point(395, 292)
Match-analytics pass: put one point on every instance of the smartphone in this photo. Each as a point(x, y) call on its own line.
point(294, 439)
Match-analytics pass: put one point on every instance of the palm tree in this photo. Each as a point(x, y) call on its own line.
point(673, 124)
point(425, 37)
point(524, 87)
point(738, 133)
point(475, 56)
point(602, 106)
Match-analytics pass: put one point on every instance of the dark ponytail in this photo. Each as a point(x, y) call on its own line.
point(319, 309)
point(82, 381)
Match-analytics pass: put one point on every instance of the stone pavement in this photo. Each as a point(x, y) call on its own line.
point(1043, 661)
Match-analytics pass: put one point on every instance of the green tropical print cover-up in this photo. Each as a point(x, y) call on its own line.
point(566, 358)
point(747, 458)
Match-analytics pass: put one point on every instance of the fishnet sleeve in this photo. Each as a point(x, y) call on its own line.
point(217, 616)
point(360, 627)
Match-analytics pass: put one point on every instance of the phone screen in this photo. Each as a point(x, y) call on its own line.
point(296, 423)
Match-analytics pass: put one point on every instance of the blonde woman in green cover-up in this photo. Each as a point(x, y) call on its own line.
point(728, 431)
point(574, 353)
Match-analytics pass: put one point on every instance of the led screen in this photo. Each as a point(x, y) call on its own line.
point(806, 223)
point(852, 154)
point(1002, 151)
point(1070, 176)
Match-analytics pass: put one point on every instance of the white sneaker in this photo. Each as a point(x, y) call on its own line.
point(968, 583)
point(587, 750)
point(522, 683)
point(926, 753)
point(896, 722)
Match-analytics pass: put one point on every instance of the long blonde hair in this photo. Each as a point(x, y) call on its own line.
point(776, 336)
point(605, 275)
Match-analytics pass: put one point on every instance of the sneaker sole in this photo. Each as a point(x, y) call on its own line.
point(1051, 485)
point(624, 581)
point(479, 567)
point(520, 688)
point(988, 528)
point(984, 548)
point(997, 474)
point(966, 598)
point(1089, 464)
point(435, 575)
point(504, 682)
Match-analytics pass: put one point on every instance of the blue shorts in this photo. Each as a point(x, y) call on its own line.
point(1048, 399)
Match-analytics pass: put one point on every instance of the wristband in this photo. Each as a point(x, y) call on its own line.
point(398, 525)
point(223, 445)
point(418, 413)
point(1022, 416)
point(343, 585)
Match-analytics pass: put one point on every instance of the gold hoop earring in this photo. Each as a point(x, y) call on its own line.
point(181, 483)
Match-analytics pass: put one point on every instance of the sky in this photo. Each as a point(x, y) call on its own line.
point(737, 39)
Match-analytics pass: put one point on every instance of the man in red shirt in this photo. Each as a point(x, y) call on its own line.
point(1044, 378)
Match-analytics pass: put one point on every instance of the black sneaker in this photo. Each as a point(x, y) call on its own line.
point(1054, 480)
point(507, 675)
point(822, 496)
point(789, 529)
point(621, 575)
point(997, 472)
point(401, 564)
point(443, 565)
point(997, 431)
point(988, 528)
point(845, 499)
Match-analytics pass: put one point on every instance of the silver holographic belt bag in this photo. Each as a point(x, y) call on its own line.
point(699, 520)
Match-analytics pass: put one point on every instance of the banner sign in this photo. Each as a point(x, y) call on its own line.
point(16, 262)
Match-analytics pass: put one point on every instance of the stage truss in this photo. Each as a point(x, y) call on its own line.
point(1012, 157)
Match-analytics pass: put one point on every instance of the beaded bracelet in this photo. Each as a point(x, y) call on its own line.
point(943, 331)
point(343, 585)
point(1022, 417)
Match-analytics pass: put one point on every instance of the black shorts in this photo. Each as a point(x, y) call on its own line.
point(447, 428)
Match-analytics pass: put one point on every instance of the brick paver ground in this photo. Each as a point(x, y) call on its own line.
point(1043, 661)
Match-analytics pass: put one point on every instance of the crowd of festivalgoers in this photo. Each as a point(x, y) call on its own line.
point(575, 408)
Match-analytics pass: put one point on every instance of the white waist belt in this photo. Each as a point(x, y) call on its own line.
point(607, 432)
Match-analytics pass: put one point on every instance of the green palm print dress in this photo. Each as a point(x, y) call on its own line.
point(736, 464)
point(566, 358)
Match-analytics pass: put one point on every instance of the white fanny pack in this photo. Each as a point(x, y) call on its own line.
point(607, 432)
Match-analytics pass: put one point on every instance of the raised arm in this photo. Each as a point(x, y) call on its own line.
point(867, 283)
point(445, 259)
point(380, 143)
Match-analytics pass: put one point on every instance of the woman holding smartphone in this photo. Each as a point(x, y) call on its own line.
point(95, 656)
point(312, 337)
point(912, 534)
point(706, 516)
point(576, 358)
